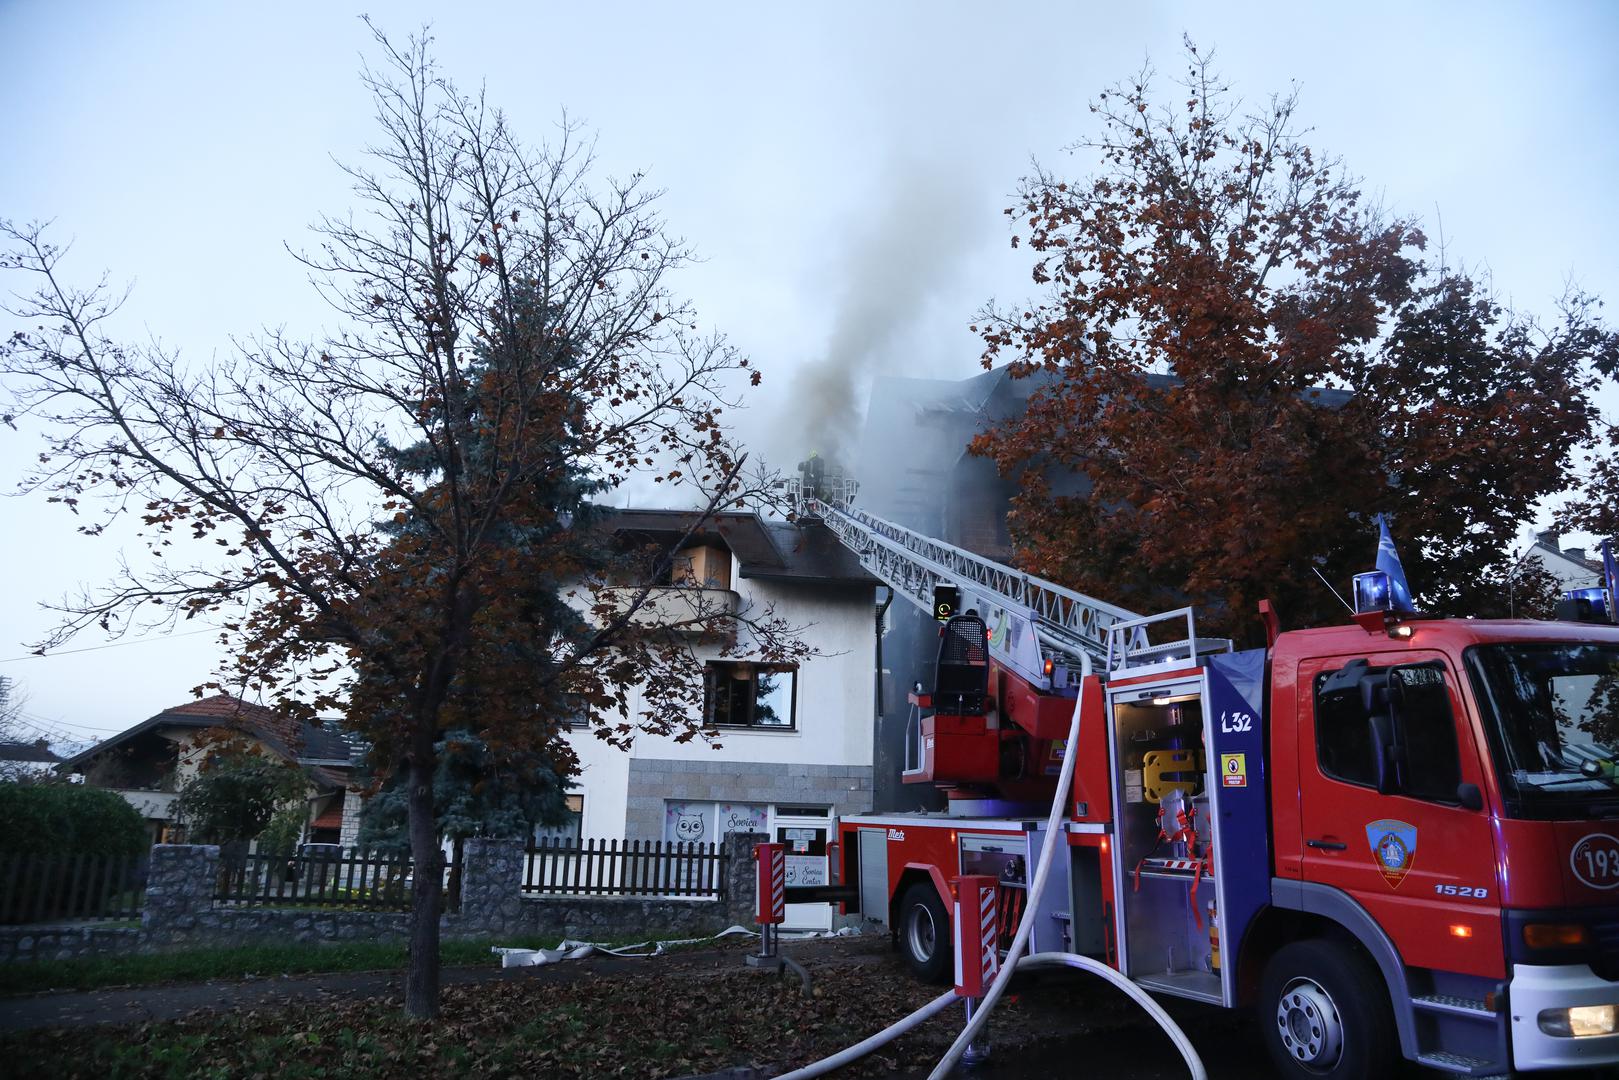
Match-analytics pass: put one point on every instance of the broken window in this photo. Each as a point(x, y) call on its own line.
point(749, 695)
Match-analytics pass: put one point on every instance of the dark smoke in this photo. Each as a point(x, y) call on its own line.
point(896, 271)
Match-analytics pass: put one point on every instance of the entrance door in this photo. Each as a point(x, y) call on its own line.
point(805, 842)
point(1417, 860)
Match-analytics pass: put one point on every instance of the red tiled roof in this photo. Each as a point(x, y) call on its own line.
point(257, 719)
point(280, 733)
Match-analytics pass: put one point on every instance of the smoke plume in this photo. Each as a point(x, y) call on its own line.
point(898, 303)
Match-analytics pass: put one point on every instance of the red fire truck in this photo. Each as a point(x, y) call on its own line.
point(1391, 837)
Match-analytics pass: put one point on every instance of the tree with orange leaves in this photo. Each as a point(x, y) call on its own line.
point(1244, 362)
point(398, 515)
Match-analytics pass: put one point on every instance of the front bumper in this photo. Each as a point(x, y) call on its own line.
point(1535, 987)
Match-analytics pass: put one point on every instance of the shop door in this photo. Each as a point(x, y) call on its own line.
point(805, 843)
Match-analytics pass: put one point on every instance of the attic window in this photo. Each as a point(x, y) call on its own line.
point(707, 566)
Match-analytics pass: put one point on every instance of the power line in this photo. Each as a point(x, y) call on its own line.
point(65, 724)
point(109, 645)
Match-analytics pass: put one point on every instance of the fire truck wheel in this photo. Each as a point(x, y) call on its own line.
point(924, 933)
point(1325, 1013)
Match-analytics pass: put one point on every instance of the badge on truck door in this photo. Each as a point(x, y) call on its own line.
point(1394, 846)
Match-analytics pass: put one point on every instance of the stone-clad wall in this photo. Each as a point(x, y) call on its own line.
point(180, 911)
point(845, 789)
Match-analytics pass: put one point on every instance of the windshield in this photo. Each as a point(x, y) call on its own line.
point(1552, 712)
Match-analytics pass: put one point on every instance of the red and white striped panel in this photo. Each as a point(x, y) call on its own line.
point(989, 930)
point(1186, 865)
point(771, 879)
point(977, 926)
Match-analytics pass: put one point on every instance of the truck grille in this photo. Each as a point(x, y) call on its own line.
point(1605, 936)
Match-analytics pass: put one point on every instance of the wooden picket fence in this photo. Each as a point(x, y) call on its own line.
point(624, 868)
point(56, 888)
point(345, 879)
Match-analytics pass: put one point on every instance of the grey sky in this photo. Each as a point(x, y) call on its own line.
point(841, 169)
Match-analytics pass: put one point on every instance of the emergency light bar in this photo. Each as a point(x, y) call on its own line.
point(1373, 592)
point(1586, 605)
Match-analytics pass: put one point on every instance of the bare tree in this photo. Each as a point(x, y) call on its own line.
point(12, 730)
point(398, 514)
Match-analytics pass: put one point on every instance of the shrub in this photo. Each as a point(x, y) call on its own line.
point(68, 819)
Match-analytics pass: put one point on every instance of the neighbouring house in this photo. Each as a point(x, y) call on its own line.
point(149, 763)
point(796, 742)
point(22, 760)
point(1570, 566)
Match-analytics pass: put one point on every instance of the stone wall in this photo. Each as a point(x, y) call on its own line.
point(181, 913)
point(844, 789)
point(349, 834)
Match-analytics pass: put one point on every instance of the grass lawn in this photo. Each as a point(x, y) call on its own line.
point(195, 965)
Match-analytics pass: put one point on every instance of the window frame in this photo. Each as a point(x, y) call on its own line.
point(1452, 700)
point(1316, 712)
point(575, 803)
point(712, 672)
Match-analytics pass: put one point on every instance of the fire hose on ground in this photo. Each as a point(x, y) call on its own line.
point(1020, 941)
point(1036, 962)
point(882, 1038)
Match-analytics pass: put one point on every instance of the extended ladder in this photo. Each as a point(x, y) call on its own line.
point(1066, 623)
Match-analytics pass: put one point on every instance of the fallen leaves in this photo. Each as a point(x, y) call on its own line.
point(671, 1017)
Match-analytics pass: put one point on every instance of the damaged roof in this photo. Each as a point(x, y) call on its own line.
point(813, 553)
point(743, 534)
point(767, 550)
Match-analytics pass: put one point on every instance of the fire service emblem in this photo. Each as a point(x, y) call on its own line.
point(1394, 846)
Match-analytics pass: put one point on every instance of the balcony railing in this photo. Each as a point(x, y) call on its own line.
point(700, 612)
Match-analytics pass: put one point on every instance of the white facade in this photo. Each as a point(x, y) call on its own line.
point(832, 709)
point(792, 782)
point(1571, 567)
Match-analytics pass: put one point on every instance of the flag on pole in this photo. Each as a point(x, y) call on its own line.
point(1388, 561)
point(1610, 576)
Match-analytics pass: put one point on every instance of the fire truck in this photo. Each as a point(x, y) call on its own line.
point(1392, 837)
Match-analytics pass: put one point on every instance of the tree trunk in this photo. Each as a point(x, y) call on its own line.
point(421, 979)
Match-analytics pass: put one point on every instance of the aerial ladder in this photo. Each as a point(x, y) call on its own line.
point(1002, 739)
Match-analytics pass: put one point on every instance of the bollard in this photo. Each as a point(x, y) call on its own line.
point(978, 955)
point(771, 890)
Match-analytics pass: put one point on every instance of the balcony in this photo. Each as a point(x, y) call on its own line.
point(666, 604)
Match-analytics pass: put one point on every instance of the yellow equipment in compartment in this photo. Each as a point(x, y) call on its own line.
point(1163, 771)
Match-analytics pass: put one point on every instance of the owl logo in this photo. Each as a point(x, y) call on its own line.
point(688, 827)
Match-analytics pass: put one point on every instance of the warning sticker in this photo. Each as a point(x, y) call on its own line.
point(1233, 770)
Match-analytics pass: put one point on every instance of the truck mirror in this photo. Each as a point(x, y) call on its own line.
point(1381, 728)
point(1470, 797)
point(1374, 693)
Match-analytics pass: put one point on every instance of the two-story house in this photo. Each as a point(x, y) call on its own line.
point(795, 742)
point(1570, 566)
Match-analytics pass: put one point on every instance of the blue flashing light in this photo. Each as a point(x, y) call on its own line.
point(1592, 603)
point(1373, 592)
